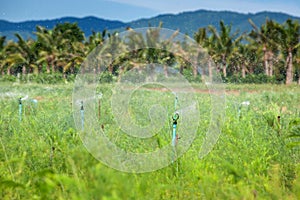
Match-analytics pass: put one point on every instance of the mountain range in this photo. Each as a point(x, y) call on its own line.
point(185, 22)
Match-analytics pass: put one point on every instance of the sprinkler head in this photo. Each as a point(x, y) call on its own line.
point(81, 108)
point(175, 117)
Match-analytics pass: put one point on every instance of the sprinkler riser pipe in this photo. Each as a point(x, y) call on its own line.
point(174, 135)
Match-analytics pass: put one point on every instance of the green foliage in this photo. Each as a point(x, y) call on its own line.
point(188, 74)
point(56, 78)
point(250, 78)
point(7, 78)
point(70, 31)
point(42, 157)
point(43, 78)
point(267, 54)
point(293, 131)
point(106, 77)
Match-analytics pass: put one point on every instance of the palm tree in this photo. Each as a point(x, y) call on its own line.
point(72, 50)
point(48, 51)
point(209, 44)
point(21, 55)
point(26, 50)
point(225, 43)
point(58, 48)
point(289, 35)
point(95, 40)
point(266, 37)
point(68, 31)
point(73, 57)
point(298, 65)
point(241, 58)
point(138, 50)
point(10, 57)
point(159, 49)
point(2, 52)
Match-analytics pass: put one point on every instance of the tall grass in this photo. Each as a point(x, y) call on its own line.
point(256, 157)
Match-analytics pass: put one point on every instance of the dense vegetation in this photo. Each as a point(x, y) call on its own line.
point(256, 157)
point(187, 22)
point(269, 53)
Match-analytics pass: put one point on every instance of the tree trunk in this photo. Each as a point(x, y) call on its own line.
point(152, 71)
point(270, 60)
point(289, 68)
point(224, 70)
point(195, 70)
point(99, 68)
point(53, 68)
point(121, 72)
point(39, 69)
point(271, 68)
point(251, 68)
point(166, 71)
point(243, 70)
point(266, 64)
point(23, 70)
point(110, 68)
point(48, 68)
point(53, 63)
point(224, 66)
point(266, 67)
point(210, 74)
point(181, 69)
point(299, 80)
point(48, 64)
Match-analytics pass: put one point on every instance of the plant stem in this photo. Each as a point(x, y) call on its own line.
point(6, 158)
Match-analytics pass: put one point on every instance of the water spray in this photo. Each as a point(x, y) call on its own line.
point(122, 102)
point(244, 103)
point(21, 100)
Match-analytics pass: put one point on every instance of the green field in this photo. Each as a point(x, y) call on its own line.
point(256, 157)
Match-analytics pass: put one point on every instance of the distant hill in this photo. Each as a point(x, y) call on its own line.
point(27, 28)
point(190, 22)
point(186, 22)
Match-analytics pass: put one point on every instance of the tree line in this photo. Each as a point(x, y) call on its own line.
point(271, 50)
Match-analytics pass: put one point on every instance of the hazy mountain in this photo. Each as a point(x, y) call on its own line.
point(27, 28)
point(186, 22)
point(190, 22)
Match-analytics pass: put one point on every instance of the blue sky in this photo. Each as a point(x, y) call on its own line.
point(128, 10)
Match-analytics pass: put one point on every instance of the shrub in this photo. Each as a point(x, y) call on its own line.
point(47, 78)
point(251, 78)
point(106, 77)
point(8, 78)
point(188, 74)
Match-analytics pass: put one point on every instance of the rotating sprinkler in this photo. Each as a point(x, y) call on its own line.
point(82, 116)
point(244, 103)
point(21, 100)
point(175, 137)
point(20, 109)
point(175, 118)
